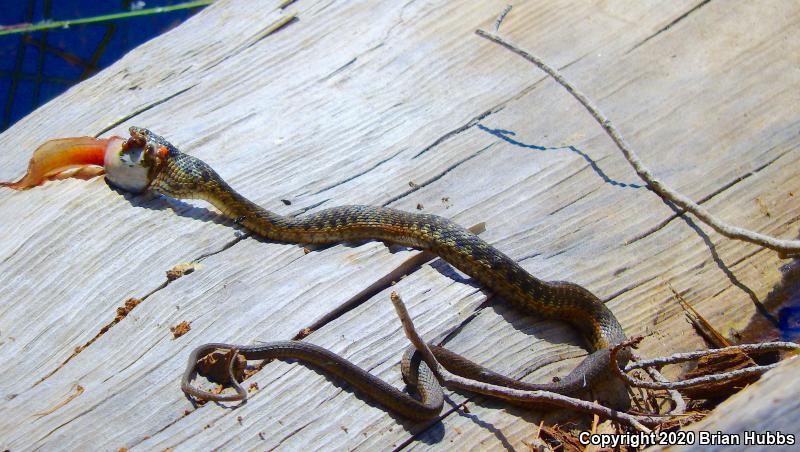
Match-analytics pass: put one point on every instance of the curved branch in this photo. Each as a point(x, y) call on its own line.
point(784, 247)
point(457, 382)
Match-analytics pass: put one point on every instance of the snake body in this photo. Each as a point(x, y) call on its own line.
point(180, 175)
point(430, 393)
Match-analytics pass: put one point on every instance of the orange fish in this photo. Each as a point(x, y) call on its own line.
point(55, 158)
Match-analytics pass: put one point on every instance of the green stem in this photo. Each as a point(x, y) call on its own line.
point(48, 25)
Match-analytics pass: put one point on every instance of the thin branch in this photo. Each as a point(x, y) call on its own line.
point(677, 399)
point(679, 404)
point(456, 382)
point(500, 18)
point(706, 379)
point(784, 247)
point(682, 357)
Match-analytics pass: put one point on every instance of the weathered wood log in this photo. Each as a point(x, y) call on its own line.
point(759, 417)
point(397, 104)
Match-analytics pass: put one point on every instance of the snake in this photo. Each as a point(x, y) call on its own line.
point(147, 161)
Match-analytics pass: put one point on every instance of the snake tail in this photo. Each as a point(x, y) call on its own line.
point(179, 175)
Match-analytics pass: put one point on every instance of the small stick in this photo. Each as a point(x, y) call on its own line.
point(458, 382)
point(500, 18)
point(784, 247)
point(677, 399)
point(681, 357)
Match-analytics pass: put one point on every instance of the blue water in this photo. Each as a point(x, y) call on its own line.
point(36, 67)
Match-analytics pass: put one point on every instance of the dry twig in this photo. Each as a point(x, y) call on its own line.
point(682, 357)
point(679, 405)
point(457, 382)
point(784, 247)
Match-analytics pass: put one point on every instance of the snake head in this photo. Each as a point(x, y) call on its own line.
point(163, 169)
point(139, 160)
point(152, 143)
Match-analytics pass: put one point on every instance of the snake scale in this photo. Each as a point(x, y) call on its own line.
point(178, 175)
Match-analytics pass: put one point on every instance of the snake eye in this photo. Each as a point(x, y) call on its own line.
point(163, 151)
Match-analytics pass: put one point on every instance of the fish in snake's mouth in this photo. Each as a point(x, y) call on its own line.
point(66, 157)
point(130, 164)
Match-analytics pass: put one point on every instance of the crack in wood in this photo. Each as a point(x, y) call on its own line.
point(472, 122)
point(748, 256)
point(292, 433)
point(407, 267)
point(338, 70)
point(436, 177)
point(628, 288)
point(162, 429)
point(121, 316)
point(72, 396)
point(495, 109)
point(123, 312)
point(760, 308)
point(560, 208)
point(224, 247)
point(279, 25)
point(357, 175)
point(506, 135)
point(68, 422)
point(670, 25)
point(144, 352)
point(144, 109)
point(276, 26)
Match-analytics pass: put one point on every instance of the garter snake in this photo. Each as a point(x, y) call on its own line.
point(178, 175)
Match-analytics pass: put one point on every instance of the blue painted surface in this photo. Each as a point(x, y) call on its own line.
point(36, 67)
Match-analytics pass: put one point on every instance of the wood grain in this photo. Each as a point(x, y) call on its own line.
point(402, 105)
